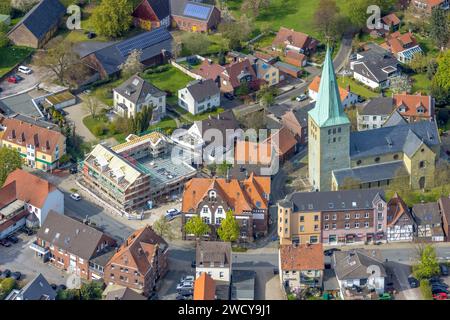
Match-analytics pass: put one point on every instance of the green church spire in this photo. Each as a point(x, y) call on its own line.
point(328, 110)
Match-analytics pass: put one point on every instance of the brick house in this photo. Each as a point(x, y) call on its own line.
point(288, 39)
point(38, 25)
point(194, 16)
point(139, 263)
point(152, 14)
point(415, 107)
point(71, 245)
point(211, 198)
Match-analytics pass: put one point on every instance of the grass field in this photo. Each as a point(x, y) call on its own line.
point(167, 124)
point(90, 123)
point(296, 14)
point(421, 83)
point(198, 117)
point(416, 196)
point(12, 55)
point(356, 88)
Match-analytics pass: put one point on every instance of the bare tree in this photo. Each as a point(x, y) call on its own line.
point(133, 64)
point(92, 106)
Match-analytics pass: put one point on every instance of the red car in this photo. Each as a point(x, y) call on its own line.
point(440, 296)
point(13, 79)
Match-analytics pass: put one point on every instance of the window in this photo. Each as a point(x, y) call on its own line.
point(395, 156)
point(334, 217)
point(219, 220)
point(302, 218)
point(206, 220)
point(221, 275)
point(380, 226)
point(339, 130)
point(377, 159)
point(357, 216)
point(302, 228)
point(316, 218)
point(313, 239)
point(205, 210)
point(422, 164)
point(347, 216)
point(356, 225)
point(316, 227)
point(327, 227)
point(366, 224)
point(366, 215)
point(326, 217)
point(347, 226)
point(334, 226)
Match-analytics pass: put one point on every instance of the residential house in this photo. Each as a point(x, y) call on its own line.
point(301, 266)
point(199, 96)
point(139, 263)
point(156, 47)
point(39, 24)
point(71, 245)
point(296, 120)
point(117, 292)
point(374, 113)
point(136, 173)
point(267, 72)
point(37, 289)
point(400, 222)
point(135, 93)
point(237, 74)
point(391, 23)
point(288, 39)
point(287, 69)
point(13, 213)
point(243, 284)
point(25, 191)
point(194, 16)
point(444, 208)
point(295, 58)
point(427, 6)
point(429, 223)
point(332, 217)
point(214, 259)
point(358, 271)
point(348, 98)
point(198, 139)
point(39, 147)
point(403, 46)
point(212, 198)
point(204, 287)
point(415, 107)
point(374, 67)
point(152, 14)
point(339, 157)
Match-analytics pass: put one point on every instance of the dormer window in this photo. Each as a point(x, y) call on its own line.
point(212, 194)
point(420, 109)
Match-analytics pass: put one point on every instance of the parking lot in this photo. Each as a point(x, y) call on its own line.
point(19, 257)
point(29, 81)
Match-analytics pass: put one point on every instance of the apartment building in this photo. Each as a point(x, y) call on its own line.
point(71, 245)
point(332, 217)
point(39, 147)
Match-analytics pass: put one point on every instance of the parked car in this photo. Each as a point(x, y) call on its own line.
point(187, 279)
point(329, 252)
point(185, 286)
point(444, 270)
point(385, 296)
point(172, 213)
point(12, 79)
point(5, 274)
point(16, 275)
point(301, 97)
point(73, 170)
point(276, 271)
point(75, 196)
point(439, 290)
point(440, 296)
point(24, 70)
point(5, 243)
point(413, 282)
point(13, 239)
point(228, 96)
point(439, 286)
point(182, 297)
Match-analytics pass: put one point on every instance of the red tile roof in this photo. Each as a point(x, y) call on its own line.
point(391, 19)
point(413, 102)
point(315, 84)
point(209, 70)
point(204, 287)
point(302, 257)
point(298, 39)
point(233, 70)
point(396, 207)
point(400, 42)
point(30, 188)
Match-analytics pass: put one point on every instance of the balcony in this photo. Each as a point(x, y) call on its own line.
point(41, 250)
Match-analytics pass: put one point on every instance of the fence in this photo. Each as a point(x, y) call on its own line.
point(183, 69)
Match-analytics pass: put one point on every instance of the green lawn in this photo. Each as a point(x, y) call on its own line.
point(11, 56)
point(167, 124)
point(356, 87)
point(90, 123)
point(421, 83)
point(296, 14)
point(200, 116)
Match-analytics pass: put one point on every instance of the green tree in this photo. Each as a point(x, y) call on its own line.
point(440, 86)
point(112, 18)
point(428, 264)
point(91, 290)
point(253, 7)
point(68, 294)
point(196, 226)
point(229, 228)
point(163, 228)
point(195, 43)
point(5, 7)
point(6, 286)
point(236, 32)
point(439, 27)
point(141, 121)
point(10, 160)
point(223, 168)
point(327, 20)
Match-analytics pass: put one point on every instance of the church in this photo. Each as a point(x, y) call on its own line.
point(339, 158)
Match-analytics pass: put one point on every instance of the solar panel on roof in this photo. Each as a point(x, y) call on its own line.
point(143, 41)
point(196, 11)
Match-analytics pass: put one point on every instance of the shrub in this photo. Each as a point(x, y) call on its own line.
point(6, 286)
point(99, 130)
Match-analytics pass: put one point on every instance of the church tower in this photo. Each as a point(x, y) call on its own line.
point(328, 131)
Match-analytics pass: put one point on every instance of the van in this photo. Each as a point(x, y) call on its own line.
point(24, 70)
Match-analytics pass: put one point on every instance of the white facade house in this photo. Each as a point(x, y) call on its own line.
point(348, 98)
point(135, 93)
point(374, 113)
point(214, 258)
point(199, 96)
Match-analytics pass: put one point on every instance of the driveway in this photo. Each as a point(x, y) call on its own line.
point(401, 273)
point(75, 114)
point(19, 257)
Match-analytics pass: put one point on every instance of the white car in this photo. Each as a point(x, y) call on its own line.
point(172, 213)
point(187, 279)
point(185, 286)
point(24, 70)
point(75, 196)
point(301, 97)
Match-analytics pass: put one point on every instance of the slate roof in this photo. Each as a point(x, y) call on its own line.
point(301, 114)
point(213, 251)
point(358, 199)
point(203, 89)
point(178, 8)
point(402, 138)
point(160, 7)
point(37, 289)
point(152, 43)
point(378, 106)
point(426, 213)
point(373, 62)
point(395, 119)
point(136, 89)
point(353, 264)
point(372, 173)
point(42, 17)
point(278, 110)
point(124, 293)
point(71, 235)
point(223, 121)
